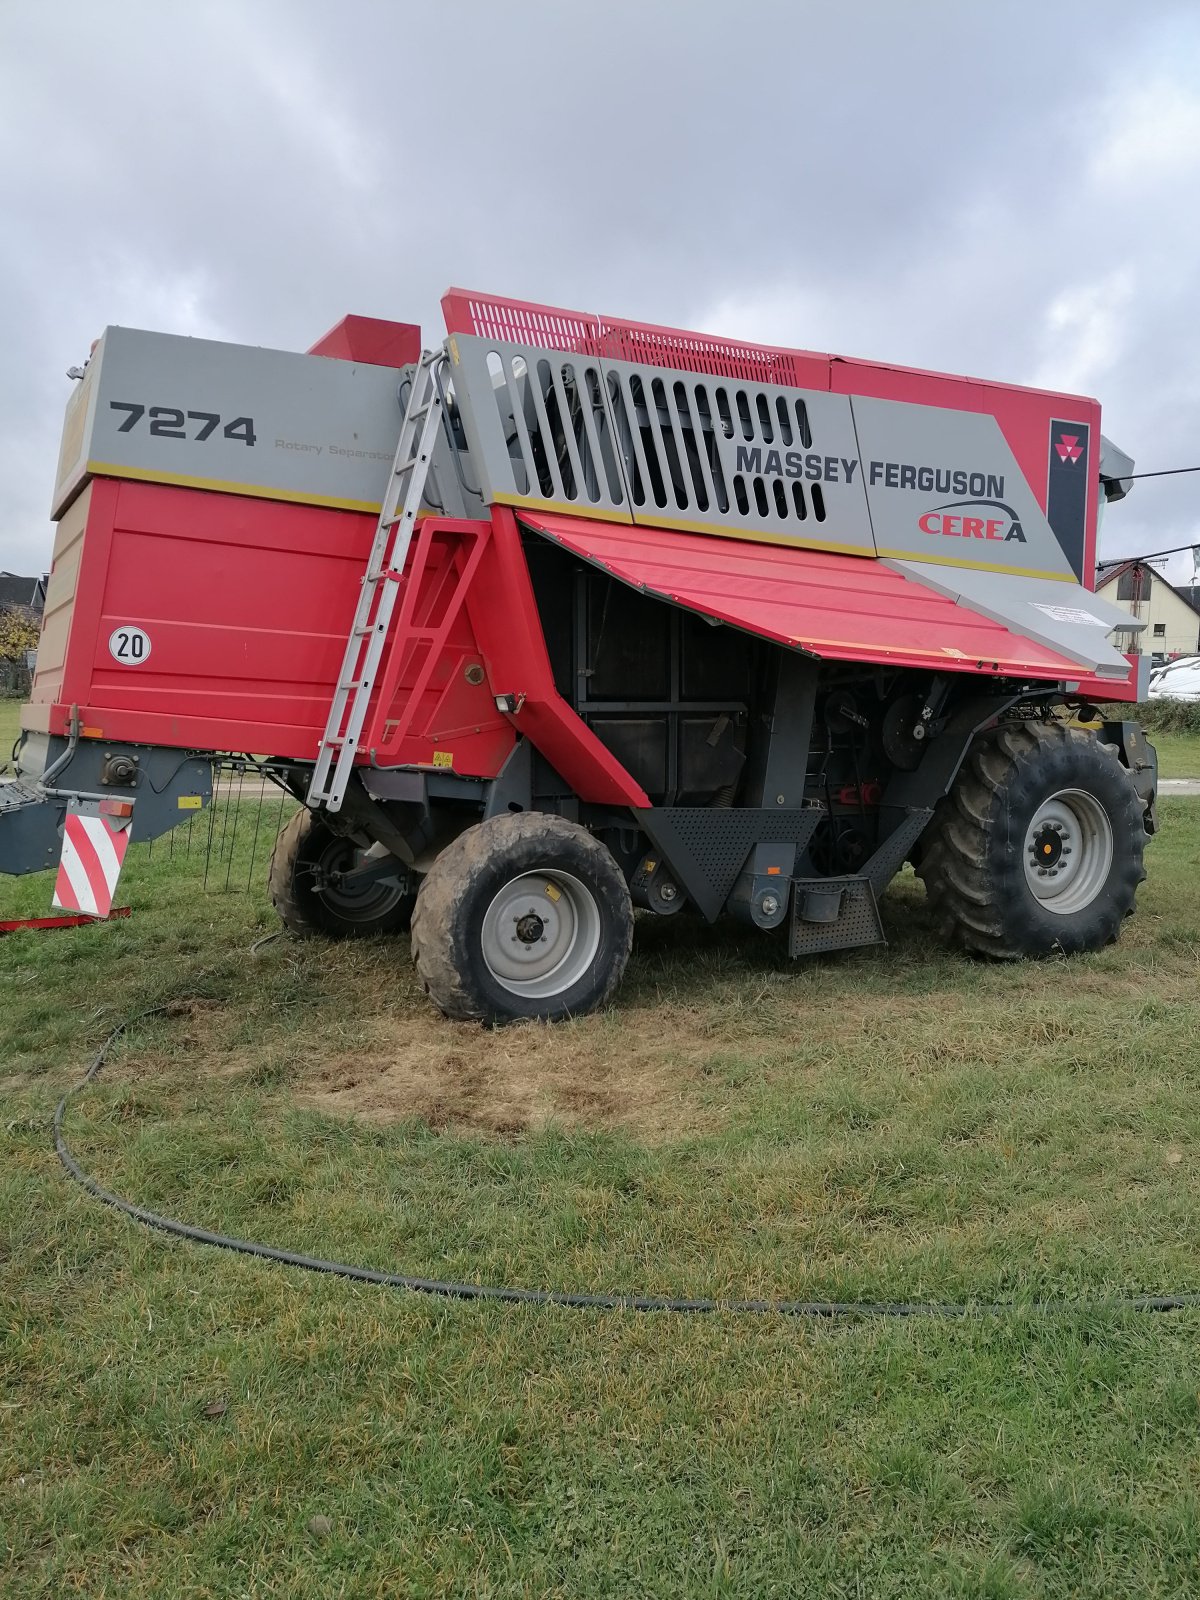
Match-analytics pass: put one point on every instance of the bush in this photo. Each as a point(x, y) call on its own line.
point(1158, 716)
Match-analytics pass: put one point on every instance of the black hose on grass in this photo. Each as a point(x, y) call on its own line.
point(510, 1295)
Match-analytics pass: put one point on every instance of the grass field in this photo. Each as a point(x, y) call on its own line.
point(1178, 754)
point(899, 1124)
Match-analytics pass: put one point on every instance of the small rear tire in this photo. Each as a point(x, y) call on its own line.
point(306, 852)
point(523, 916)
point(1038, 846)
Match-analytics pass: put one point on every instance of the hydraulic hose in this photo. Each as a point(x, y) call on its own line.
point(512, 1295)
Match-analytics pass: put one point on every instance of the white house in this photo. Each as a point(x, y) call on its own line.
point(1172, 623)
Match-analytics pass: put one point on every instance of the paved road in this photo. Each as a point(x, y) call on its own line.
point(1179, 786)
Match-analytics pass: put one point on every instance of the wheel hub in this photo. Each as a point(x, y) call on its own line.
point(540, 934)
point(354, 894)
point(1068, 851)
point(1047, 849)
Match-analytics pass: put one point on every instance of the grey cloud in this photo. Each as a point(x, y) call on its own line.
point(965, 187)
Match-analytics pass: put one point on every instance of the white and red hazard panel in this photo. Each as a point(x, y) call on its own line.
point(95, 839)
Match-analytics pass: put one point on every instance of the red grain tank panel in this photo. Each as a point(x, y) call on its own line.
point(245, 605)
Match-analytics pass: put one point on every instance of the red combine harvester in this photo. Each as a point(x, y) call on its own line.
point(629, 617)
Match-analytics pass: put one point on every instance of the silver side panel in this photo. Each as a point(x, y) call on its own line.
point(1062, 616)
point(619, 440)
point(225, 416)
point(737, 457)
point(944, 486)
point(538, 427)
point(625, 440)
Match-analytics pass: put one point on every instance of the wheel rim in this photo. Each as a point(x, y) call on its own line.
point(1068, 851)
point(354, 902)
point(541, 934)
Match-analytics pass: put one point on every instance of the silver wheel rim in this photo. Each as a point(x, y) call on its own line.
point(541, 934)
point(1068, 851)
point(362, 902)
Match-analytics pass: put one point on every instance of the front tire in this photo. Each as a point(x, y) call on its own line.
point(1038, 846)
point(525, 915)
point(306, 852)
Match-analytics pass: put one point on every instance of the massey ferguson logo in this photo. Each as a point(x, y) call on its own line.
point(1068, 447)
point(974, 519)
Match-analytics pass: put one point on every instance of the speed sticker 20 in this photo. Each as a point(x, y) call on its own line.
point(129, 646)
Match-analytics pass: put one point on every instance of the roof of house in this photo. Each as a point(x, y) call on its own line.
point(1106, 574)
point(18, 591)
point(1106, 571)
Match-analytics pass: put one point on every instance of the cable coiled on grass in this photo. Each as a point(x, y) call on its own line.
point(507, 1294)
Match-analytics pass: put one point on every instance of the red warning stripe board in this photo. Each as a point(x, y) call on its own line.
point(92, 855)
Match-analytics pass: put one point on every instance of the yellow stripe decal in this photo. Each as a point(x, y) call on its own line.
point(570, 508)
point(111, 469)
point(976, 566)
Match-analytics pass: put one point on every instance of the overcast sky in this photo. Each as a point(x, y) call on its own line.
point(1010, 190)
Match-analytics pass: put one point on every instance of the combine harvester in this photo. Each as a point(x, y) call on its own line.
point(628, 617)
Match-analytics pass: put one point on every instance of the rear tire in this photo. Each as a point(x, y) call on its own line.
point(1038, 846)
point(305, 851)
point(525, 915)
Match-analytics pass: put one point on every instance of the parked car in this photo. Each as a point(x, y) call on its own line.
point(1178, 680)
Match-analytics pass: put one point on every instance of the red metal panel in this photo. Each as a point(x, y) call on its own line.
point(247, 604)
point(839, 608)
point(521, 322)
point(582, 333)
point(439, 707)
point(505, 617)
point(371, 341)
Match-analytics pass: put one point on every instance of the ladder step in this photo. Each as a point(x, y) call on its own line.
point(386, 564)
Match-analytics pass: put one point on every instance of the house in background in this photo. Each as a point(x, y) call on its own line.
point(22, 602)
point(26, 594)
point(1172, 619)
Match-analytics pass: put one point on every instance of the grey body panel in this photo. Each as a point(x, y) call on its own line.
point(325, 430)
point(503, 413)
point(655, 445)
point(1115, 469)
point(707, 846)
point(31, 815)
point(774, 445)
point(1062, 616)
point(950, 467)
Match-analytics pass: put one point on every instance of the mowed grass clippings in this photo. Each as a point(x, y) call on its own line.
point(896, 1124)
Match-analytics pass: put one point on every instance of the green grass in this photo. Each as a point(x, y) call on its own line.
point(10, 726)
point(891, 1124)
point(865, 1129)
point(1178, 754)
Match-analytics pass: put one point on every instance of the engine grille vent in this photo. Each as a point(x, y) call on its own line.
point(652, 444)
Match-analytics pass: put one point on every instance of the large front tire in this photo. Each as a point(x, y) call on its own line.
point(525, 915)
point(306, 852)
point(1038, 846)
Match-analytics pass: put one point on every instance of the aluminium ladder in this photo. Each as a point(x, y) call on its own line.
point(377, 599)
